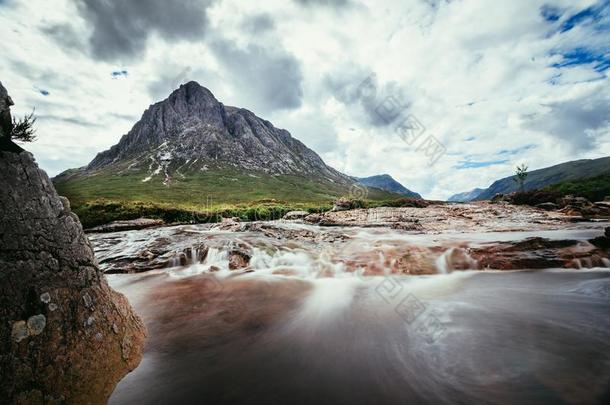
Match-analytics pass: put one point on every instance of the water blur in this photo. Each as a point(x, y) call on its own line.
point(302, 327)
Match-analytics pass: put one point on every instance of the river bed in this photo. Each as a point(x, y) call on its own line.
point(300, 326)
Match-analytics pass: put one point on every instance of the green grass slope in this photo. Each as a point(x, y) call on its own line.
point(203, 196)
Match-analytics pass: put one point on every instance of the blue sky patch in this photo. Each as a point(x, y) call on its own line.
point(516, 151)
point(467, 164)
point(584, 56)
point(550, 13)
point(119, 73)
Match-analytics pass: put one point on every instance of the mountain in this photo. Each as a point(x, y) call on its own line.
point(387, 183)
point(190, 149)
point(570, 171)
point(466, 196)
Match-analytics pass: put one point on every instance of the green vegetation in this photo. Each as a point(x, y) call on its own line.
point(205, 196)
point(594, 188)
point(22, 130)
point(520, 175)
point(100, 212)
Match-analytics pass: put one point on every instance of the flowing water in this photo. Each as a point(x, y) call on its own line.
point(306, 328)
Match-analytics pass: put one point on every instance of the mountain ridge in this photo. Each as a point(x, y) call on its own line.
point(466, 196)
point(387, 183)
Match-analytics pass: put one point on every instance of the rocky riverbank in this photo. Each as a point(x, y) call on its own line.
point(439, 238)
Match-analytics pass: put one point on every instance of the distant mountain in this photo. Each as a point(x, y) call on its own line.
point(466, 196)
point(387, 183)
point(570, 171)
point(190, 149)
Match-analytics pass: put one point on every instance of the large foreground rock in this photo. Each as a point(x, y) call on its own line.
point(65, 336)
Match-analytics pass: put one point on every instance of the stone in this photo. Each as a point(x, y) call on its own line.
point(230, 220)
point(45, 298)
point(127, 225)
point(36, 324)
point(238, 260)
point(20, 331)
point(342, 205)
point(87, 300)
point(547, 206)
point(295, 215)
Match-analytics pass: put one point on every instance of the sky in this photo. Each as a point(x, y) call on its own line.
point(443, 95)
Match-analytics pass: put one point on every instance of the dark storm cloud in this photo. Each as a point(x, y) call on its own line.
point(65, 36)
point(121, 28)
point(573, 121)
point(381, 103)
point(269, 79)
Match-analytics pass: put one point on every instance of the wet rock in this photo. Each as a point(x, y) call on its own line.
point(127, 225)
point(540, 253)
point(295, 215)
point(548, 206)
point(238, 260)
point(44, 251)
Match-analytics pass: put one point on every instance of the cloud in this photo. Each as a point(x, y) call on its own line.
point(329, 3)
point(270, 79)
point(258, 24)
point(381, 104)
point(122, 28)
point(574, 122)
point(66, 36)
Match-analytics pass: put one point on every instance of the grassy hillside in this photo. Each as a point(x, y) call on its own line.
point(199, 197)
point(594, 188)
point(539, 179)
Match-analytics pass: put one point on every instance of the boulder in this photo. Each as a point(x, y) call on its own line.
point(294, 215)
point(500, 198)
point(127, 225)
point(238, 260)
point(342, 204)
point(65, 335)
point(547, 206)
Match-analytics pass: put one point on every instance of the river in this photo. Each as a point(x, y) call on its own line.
point(305, 328)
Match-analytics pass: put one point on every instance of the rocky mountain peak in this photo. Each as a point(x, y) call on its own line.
point(191, 131)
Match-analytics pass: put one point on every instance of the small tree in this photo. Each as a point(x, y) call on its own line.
point(23, 129)
point(520, 175)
